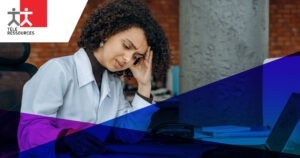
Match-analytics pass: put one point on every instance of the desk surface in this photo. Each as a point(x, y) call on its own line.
point(153, 149)
point(198, 149)
point(254, 142)
point(194, 150)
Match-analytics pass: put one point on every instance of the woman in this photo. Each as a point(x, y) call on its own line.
point(121, 38)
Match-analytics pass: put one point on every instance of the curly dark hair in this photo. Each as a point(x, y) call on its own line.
point(119, 15)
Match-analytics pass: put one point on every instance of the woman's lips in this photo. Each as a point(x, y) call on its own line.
point(118, 65)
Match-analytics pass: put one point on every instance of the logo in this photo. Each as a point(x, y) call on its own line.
point(31, 14)
point(39, 20)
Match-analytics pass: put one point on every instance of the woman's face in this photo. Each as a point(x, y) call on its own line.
point(121, 50)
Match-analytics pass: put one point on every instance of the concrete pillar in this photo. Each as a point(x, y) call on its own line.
point(219, 38)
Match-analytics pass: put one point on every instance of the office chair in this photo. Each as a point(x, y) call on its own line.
point(14, 73)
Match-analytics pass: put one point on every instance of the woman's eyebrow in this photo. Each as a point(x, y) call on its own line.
point(131, 44)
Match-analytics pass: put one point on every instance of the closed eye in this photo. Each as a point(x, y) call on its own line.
point(138, 56)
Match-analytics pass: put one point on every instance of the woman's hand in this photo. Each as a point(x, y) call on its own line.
point(142, 72)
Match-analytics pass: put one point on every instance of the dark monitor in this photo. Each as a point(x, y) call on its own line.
point(285, 124)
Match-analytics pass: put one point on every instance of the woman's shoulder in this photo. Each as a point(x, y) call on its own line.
point(65, 63)
point(54, 70)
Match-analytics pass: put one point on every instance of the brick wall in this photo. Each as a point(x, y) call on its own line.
point(165, 11)
point(284, 35)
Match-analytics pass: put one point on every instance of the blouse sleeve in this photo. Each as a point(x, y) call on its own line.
point(42, 97)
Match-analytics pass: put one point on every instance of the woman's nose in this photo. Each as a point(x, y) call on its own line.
point(127, 57)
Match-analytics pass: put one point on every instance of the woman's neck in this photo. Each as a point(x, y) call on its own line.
point(97, 68)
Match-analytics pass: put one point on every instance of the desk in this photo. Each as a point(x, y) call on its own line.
point(147, 149)
point(154, 149)
point(151, 149)
point(207, 147)
point(252, 142)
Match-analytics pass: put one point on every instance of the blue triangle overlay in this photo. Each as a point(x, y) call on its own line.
point(250, 98)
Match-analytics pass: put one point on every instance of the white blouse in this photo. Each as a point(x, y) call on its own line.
point(64, 91)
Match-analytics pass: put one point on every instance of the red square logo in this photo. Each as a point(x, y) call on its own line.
point(33, 13)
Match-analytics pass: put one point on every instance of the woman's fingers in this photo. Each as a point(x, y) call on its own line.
point(151, 57)
point(144, 64)
point(147, 54)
